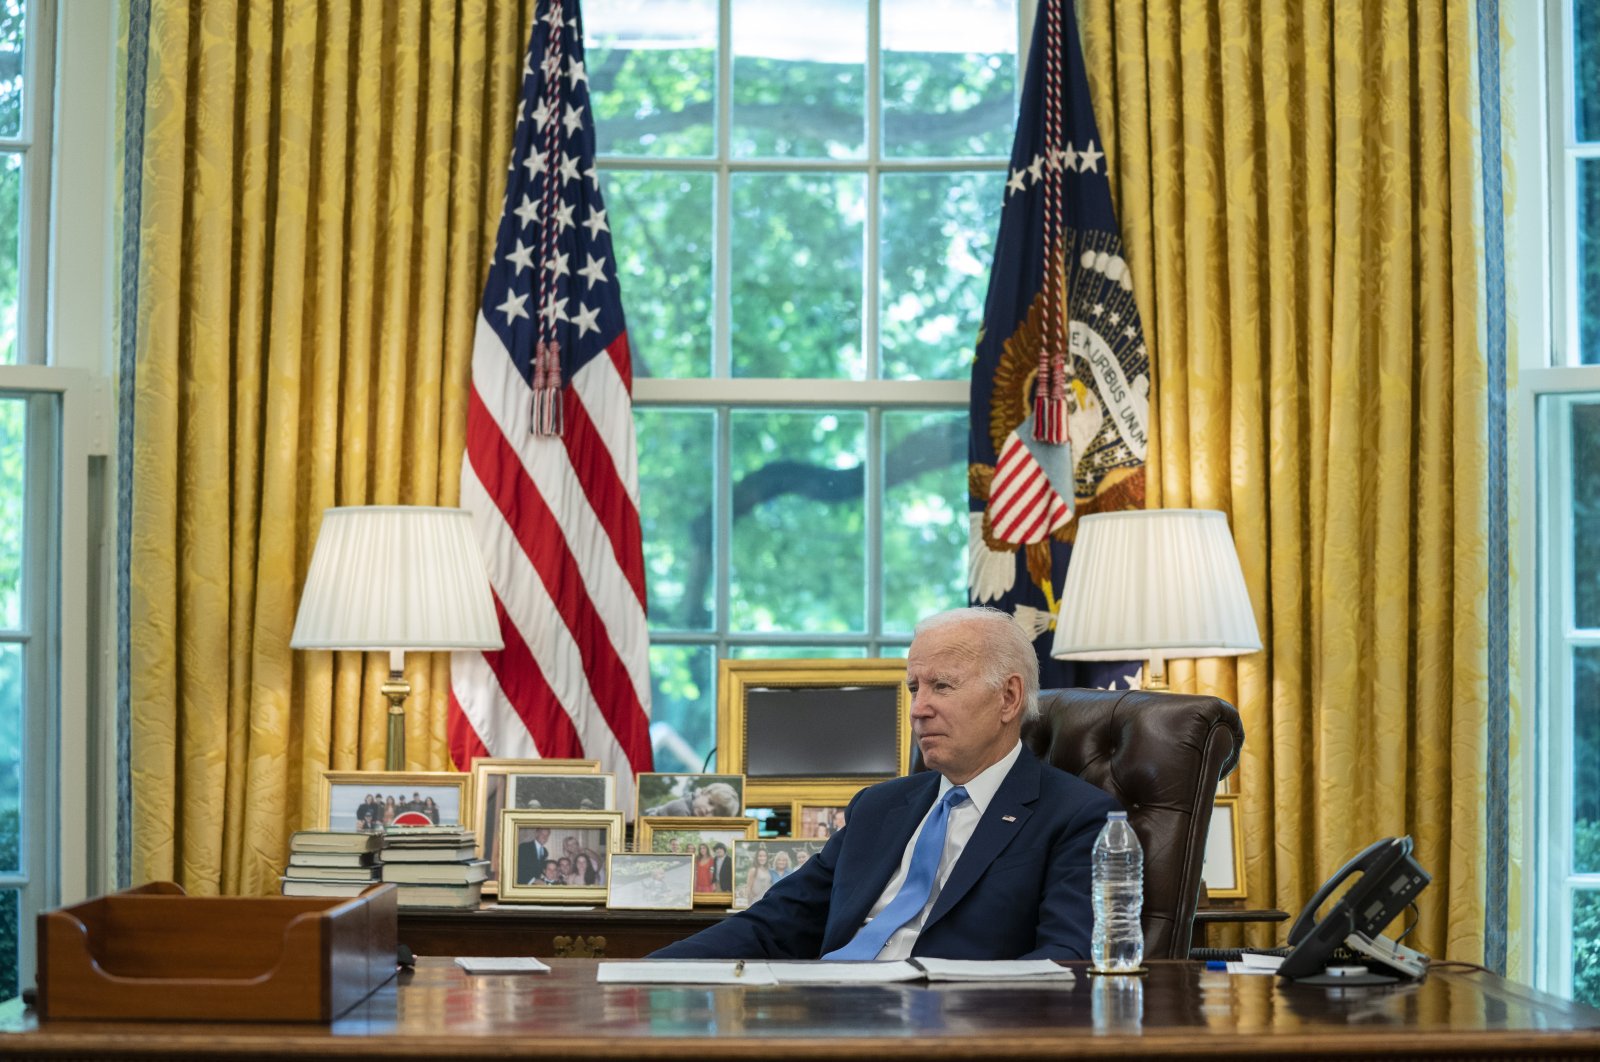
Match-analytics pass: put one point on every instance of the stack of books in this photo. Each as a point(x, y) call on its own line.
point(433, 866)
point(331, 863)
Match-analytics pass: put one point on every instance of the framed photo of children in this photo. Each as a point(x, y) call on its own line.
point(372, 801)
point(815, 822)
point(489, 788)
point(758, 865)
point(677, 796)
point(556, 856)
point(650, 881)
point(709, 840)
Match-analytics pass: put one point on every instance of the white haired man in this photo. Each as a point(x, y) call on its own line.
point(984, 856)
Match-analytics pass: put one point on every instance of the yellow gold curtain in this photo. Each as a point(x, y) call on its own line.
point(1295, 181)
point(319, 185)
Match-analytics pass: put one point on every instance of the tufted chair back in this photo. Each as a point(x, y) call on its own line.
point(1161, 755)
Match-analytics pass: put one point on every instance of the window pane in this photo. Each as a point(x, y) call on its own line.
point(13, 20)
point(798, 241)
point(796, 652)
point(798, 558)
point(11, 207)
point(938, 241)
point(949, 77)
point(10, 759)
point(1586, 947)
point(10, 942)
point(652, 68)
point(1586, 760)
point(13, 460)
point(1588, 198)
point(683, 715)
point(676, 513)
point(1585, 526)
point(924, 516)
point(799, 78)
point(661, 223)
point(1586, 68)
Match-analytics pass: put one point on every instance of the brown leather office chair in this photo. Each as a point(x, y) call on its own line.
point(1161, 755)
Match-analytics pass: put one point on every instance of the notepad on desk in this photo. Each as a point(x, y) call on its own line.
point(832, 973)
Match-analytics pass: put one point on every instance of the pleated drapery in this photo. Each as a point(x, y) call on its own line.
point(318, 190)
point(1296, 185)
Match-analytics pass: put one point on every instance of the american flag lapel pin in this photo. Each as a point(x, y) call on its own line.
point(1008, 818)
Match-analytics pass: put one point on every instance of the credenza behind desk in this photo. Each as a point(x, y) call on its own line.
point(1180, 1010)
point(598, 933)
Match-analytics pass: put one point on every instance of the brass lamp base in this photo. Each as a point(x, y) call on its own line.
point(397, 689)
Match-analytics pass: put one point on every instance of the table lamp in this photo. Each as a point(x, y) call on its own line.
point(392, 578)
point(1154, 584)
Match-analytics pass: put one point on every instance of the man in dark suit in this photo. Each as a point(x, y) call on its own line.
point(531, 856)
point(721, 868)
point(1004, 870)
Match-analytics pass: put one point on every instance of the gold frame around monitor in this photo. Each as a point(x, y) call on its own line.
point(735, 678)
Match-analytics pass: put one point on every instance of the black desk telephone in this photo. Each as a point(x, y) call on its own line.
point(1351, 931)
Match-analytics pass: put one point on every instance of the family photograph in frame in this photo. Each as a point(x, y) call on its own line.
point(650, 881)
point(374, 801)
point(758, 864)
point(489, 785)
point(557, 856)
point(815, 822)
point(717, 796)
point(708, 841)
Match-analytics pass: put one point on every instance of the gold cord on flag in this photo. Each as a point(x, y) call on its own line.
point(1050, 388)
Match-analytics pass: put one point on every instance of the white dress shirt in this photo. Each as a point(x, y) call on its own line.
point(958, 831)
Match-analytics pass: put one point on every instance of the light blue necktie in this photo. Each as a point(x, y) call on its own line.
point(914, 892)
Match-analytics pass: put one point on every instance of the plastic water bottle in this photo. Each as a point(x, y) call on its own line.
point(1118, 874)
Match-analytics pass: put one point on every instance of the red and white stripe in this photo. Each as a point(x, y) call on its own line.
point(557, 518)
point(1023, 507)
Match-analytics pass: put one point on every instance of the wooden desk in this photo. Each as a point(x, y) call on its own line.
point(1180, 1009)
point(529, 929)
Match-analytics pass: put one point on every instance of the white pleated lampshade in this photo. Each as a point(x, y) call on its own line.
point(1154, 583)
point(396, 577)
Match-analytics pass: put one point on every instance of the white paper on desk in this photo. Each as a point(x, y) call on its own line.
point(501, 964)
point(843, 973)
point(1258, 961)
point(667, 972)
point(1247, 968)
point(994, 970)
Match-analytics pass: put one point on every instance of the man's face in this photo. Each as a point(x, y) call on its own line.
point(838, 819)
point(541, 836)
point(571, 845)
point(565, 865)
point(960, 722)
point(719, 852)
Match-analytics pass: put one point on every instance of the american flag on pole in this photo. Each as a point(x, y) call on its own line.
point(550, 471)
point(1061, 382)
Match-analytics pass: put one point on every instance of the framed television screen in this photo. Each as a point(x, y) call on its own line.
point(812, 730)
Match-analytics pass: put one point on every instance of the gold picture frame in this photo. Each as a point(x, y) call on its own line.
point(1223, 869)
point(706, 830)
point(342, 792)
point(521, 885)
point(489, 775)
point(807, 818)
point(862, 691)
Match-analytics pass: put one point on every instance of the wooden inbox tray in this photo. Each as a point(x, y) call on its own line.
point(155, 953)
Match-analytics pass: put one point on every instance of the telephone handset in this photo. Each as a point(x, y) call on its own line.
point(1390, 880)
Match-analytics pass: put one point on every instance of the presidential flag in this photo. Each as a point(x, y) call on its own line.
point(550, 471)
point(1061, 382)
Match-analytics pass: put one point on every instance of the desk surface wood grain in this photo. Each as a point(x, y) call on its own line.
point(1180, 1009)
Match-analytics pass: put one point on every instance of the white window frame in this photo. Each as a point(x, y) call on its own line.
point(723, 394)
point(1542, 254)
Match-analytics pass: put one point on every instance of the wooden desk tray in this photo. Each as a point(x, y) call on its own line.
point(155, 953)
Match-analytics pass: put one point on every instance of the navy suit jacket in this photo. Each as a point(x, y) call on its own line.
point(1019, 890)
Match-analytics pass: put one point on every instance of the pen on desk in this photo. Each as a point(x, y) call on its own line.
point(738, 968)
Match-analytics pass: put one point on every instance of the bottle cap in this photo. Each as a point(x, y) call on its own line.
point(1113, 815)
